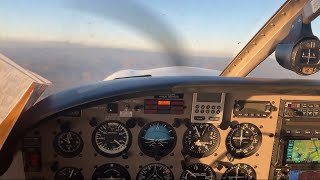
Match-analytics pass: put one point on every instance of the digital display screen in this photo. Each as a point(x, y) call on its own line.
point(209, 97)
point(304, 175)
point(255, 106)
point(303, 152)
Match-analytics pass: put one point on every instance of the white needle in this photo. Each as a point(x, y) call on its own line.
point(204, 130)
point(117, 142)
point(71, 173)
point(197, 132)
point(191, 173)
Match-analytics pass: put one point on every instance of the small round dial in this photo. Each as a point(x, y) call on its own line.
point(68, 144)
point(157, 139)
point(155, 171)
point(198, 171)
point(201, 139)
point(305, 57)
point(243, 140)
point(111, 138)
point(239, 172)
point(111, 171)
point(68, 173)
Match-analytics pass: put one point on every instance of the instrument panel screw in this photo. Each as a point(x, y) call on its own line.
point(172, 154)
point(170, 166)
point(140, 166)
point(80, 132)
point(257, 154)
point(271, 135)
point(140, 154)
point(215, 154)
point(95, 166)
point(255, 166)
point(270, 117)
point(260, 126)
point(95, 154)
point(80, 155)
point(126, 166)
point(54, 132)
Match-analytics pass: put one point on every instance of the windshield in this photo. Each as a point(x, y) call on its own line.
point(77, 42)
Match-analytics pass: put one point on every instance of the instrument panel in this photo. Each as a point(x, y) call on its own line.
point(163, 137)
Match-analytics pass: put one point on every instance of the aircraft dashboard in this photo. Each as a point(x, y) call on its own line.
point(219, 129)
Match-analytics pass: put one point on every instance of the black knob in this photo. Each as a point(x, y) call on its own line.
point(187, 122)
point(141, 122)
point(131, 123)
point(224, 125)
point(54, 166)
point(157, 157)
point(230, 157)
point(218, 165)
point(237, 107)
point(176, 123)
point(184, 165)
point(187, 158)
point(125, 155)
point(93, 122)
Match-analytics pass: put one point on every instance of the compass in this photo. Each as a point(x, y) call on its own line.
point(239, 172)
point(243, 140)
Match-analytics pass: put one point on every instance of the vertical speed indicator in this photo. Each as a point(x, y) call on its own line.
point(111, 138)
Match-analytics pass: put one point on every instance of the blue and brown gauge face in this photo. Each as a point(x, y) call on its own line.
point(155, 171)
point(240, 172)
point(68, 173)
point(68, 144)
point(157, 139)
point(111, 138)
point(243, 140)
point(111, 171)
point(201, 139)
point(198, 171)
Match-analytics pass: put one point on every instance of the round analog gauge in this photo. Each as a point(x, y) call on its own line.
point(68, 144)
point(111, 138)
point(157, 139)
point(201, 139)
point(198, 171)
point(68, 173)
point(243, 140)
point(305, 57)
point(155, 171)
point(111, 171)
point(240, 172)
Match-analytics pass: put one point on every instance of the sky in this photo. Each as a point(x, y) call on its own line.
point(201, 27)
